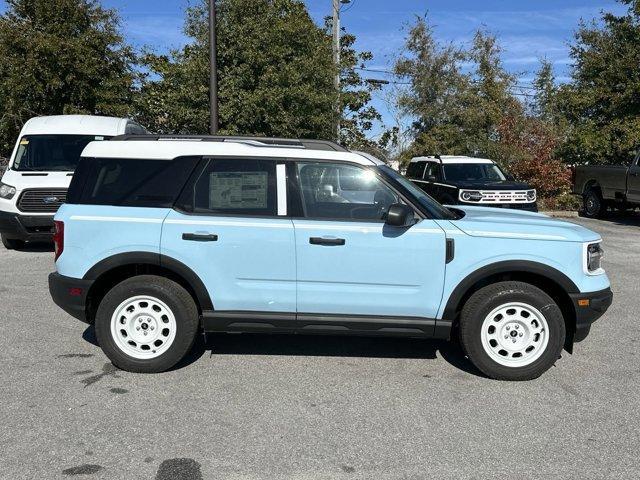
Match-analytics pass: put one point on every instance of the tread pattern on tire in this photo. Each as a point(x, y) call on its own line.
point(183, 307)
point(486, 298)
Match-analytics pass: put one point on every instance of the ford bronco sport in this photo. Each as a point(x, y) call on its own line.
point(165, 237)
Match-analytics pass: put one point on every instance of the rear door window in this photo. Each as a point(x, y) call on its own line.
point(416, 169)
point(233, 187)
point(130, 182)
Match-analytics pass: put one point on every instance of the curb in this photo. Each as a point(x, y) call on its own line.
point(561, 213)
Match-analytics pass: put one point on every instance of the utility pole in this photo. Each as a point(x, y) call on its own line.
point(213, 74)
point(336, 61)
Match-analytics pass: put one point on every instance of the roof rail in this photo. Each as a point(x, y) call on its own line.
point(309, 144)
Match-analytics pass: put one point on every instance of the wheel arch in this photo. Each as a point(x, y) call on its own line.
point(550, 280)
point(112, 270)
point(592, 184)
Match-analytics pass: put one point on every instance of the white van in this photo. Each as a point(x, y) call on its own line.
point(36, 180)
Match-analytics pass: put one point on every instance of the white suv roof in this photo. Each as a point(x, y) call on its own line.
point(170, 148)
point(75, 125)
point(448, 159)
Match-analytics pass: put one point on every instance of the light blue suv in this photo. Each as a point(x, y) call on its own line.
point(165, 237)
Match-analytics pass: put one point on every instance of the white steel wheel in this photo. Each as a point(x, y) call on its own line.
point(515, 334)
point(143, 327)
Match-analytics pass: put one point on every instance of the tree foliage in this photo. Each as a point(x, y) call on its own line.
point(601, 104)
point(60, 56)
point(275, 76)
point(463, 103)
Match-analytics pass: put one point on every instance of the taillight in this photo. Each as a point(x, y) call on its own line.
point(58, 238)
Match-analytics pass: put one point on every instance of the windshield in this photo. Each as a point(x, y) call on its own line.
point(464, 172)
point(51, 152)
point(435, 209)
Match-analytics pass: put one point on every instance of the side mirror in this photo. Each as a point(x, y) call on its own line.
point(510, 177)
point(400, 215)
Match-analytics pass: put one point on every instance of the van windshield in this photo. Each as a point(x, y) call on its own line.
point(51, 152)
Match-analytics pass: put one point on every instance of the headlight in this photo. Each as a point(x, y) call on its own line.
point(531, 195)
point(471, 196)
point(594, 257)
point(7, 191)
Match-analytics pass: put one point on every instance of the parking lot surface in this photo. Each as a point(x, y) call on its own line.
point(257, 406)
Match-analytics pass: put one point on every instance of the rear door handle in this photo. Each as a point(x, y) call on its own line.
point(326, 241)
point(200, 237)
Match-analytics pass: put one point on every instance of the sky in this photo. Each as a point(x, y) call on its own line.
point(528, 30)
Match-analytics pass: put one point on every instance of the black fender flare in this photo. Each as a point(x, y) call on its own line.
point(156, 259)
point(508, 266)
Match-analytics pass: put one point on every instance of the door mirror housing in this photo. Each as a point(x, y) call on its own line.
point(400, 215)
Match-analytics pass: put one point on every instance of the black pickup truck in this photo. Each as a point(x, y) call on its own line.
point(607, 186)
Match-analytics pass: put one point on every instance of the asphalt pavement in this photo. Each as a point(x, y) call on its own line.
point(294, 407)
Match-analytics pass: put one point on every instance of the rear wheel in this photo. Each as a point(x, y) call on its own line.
point(592, 204)
point(512, 331)
point(146, 324)
point(12, 243)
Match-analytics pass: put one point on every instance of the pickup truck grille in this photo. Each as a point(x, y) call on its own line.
point(42, 201)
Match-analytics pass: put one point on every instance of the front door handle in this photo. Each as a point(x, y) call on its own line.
point(200, 237)
point(326, 241)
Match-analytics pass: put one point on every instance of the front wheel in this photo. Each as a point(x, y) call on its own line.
point(146, 324)
point(512, 331)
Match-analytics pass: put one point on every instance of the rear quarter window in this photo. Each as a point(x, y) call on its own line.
point(130, 182)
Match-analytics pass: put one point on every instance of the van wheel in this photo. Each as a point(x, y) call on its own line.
point(12, 243)
point(146, 324)
point(512, 331)
point(592, 204)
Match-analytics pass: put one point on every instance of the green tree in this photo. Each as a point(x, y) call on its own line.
point(601, 104)
point(454, 111)
point(60, 56)
point(275, 76)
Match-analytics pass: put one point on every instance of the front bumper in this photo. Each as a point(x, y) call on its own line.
point(70, 294)
point(529, 207)
point(26, 227)
point(589, 307)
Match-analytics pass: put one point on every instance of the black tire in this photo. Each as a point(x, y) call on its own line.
point(592, 204)
point(488, 298)
point(12, 243)
point(180, 303)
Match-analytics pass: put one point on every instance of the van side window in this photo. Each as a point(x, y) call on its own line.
point(339, 191)
point(235, 187)
point(416, 169)
point(130, 182)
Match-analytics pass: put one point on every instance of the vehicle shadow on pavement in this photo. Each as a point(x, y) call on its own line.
point(631, 219)
point(320, 346)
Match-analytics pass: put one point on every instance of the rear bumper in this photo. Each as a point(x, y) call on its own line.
point(589, 307)
point(70, 294)
point(26, 227)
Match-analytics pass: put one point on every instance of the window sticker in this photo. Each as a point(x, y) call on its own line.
point(99, 138)
point(24, 141)
point(246, 190)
